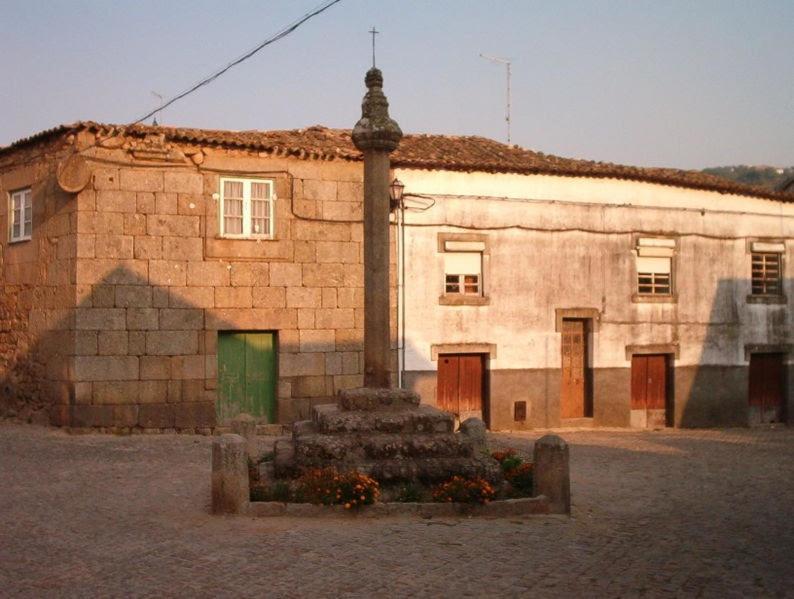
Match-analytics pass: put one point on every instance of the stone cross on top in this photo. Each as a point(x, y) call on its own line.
point(376, 135)
point(374, 32)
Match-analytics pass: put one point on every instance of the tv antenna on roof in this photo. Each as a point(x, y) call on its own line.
point(506, 62)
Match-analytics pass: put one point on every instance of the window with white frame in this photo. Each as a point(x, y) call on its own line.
point(246, 208)
point(20, 210)
point(655, 266)
point(463, 268)
point(767, 268)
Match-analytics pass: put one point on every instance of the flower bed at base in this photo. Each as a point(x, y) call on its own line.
point(328, 491)
point(240, 486)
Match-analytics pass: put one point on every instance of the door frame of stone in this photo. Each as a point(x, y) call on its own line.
point(267, 406)
point(756, 413)
point(592, 323)
point(587, 369)
point(486, 351)
point(646, 418)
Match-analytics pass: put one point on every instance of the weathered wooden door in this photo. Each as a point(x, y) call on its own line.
point(649, 390)
point(460, 384)
point(574, 365)
point(767, 388)
point(246, 375)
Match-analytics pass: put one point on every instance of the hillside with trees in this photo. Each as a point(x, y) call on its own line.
point(762, 176)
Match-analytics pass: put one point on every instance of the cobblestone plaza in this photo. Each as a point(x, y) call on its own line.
point(672, 513)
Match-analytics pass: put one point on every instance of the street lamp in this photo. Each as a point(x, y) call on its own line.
point(396, 193)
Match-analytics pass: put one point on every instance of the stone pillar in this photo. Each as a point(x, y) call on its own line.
point(551, 475)
point(245, 426)
point(474, 430)
point(376, 269)
point(376, 135)
point(230, 490)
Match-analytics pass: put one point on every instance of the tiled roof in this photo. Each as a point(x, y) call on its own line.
point(441, 152)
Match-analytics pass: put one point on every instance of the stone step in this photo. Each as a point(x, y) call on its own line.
point(432, 470)
point(576, 423)
point(287, 462)
point(332, 419)
point(377, 446)
point(366, 398)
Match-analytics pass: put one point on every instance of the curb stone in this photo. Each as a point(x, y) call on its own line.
point(499, 508)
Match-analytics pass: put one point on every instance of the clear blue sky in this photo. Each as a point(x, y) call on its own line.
point(684, 83)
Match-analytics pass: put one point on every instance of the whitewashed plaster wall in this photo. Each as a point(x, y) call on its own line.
point(567, 242)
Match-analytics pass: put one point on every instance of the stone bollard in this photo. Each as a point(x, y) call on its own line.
point(230, 491)
point(551, 473)
point(475, 431)
point(245, 426)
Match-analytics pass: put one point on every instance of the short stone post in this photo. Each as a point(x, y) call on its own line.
point(474, 430)
point(230, 490)
point(245, 426)
point(552, 474)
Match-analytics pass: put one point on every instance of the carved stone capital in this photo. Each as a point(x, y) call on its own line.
point(375, 130)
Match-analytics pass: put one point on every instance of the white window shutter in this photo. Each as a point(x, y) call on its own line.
point(463, 263)
point(653, 265)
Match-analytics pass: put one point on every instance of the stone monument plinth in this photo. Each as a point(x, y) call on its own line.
point(379, 431)
point(386, 434)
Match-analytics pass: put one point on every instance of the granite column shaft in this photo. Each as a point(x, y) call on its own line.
point(377, 335)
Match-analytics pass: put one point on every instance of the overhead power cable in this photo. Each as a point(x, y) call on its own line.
point(274, 38)
point(207, 80)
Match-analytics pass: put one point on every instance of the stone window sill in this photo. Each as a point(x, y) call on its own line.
point(766, 299)
point(638, 298)
point(246, 238)
point(463, 300)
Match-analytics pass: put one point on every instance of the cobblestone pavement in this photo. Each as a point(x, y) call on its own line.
point(678, 513)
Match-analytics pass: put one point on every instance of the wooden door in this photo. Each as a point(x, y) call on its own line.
point(574, 366)
point(767, 388)
point(460, 384)
point(649, 390)
point(246, 375)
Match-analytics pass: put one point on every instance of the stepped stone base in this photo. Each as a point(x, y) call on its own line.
point(386, 434)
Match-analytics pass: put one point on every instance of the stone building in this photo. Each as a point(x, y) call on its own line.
point(163, 278)
point(190, 274)
point(542, 291)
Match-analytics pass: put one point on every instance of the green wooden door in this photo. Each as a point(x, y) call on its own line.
point(246, 375)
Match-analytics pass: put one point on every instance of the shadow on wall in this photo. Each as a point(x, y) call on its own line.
point(139, 354)
point(714, 394)
point(130, 354)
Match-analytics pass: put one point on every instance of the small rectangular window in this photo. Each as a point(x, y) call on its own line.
point(247, 208)
point(463, 273)
point(653, 276)
point(655, 266)
point(21, 215)
point(766, 274)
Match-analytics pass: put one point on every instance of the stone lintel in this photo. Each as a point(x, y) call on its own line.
point(591, 314)
point(653, 348)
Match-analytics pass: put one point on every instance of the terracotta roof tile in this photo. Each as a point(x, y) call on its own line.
point(444, 152)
